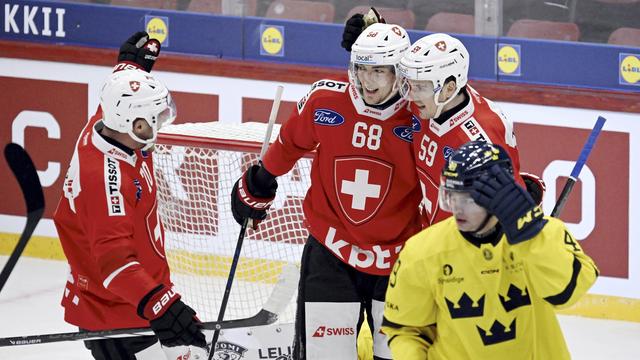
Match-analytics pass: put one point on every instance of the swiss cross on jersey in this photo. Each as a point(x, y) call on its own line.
point(362, 185)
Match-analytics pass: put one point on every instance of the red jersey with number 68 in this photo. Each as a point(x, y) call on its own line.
point(364, 195)
point(475, 119)
point(110, 232)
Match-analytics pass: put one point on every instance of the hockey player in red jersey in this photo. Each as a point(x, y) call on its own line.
point(363, 200)
point(107, 219)
point(447, 111)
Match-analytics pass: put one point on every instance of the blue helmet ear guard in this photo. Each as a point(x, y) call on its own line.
point(470, 161)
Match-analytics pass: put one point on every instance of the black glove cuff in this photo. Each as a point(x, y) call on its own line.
point(145, 300)
point(261, 182)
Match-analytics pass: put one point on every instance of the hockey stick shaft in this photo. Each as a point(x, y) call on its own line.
point(278, 300)
point(27, 177)
point(577, 168)
point(243, 229)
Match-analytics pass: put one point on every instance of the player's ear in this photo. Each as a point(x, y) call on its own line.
point(449, 89)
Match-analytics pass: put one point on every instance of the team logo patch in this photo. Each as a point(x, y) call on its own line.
point(362, 185)
point(136, 182)
point(447, 151)
point(404, 132)
point(415, 124)
point(228, 351)
point(327, 117)
point(115, 201)
point(441, 45)
point(134, 85)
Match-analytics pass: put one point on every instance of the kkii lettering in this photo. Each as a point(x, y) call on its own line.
point(35, 20)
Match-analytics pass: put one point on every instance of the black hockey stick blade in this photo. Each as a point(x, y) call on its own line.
point(25, 172)
point(277, 302)
point(27, 177)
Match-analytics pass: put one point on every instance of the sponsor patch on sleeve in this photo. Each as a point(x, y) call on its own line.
point(332, 85)
point(112, 180)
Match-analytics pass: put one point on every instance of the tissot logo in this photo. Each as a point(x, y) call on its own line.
point(115, 201)
point(36, 20)
point(323, 331)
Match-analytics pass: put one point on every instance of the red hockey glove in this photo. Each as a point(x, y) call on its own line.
point(253, 194)
point(535, 186)
point(172, 321)
point(140, 50)
point(356, 24)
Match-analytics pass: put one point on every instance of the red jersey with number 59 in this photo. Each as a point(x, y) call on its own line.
point(110, 232)
point(364, 195)
point(475, 119)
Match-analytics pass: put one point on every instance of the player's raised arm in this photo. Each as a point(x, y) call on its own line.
point(107, 218)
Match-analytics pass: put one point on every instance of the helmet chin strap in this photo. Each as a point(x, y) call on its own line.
point(481, 226)
point(441, 105)
point(147, 143)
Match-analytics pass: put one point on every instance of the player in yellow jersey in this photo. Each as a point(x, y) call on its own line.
point(483, 284)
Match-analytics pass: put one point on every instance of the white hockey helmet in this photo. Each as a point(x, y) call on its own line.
point(379, 44)
point(434, 58)
point(131, 94)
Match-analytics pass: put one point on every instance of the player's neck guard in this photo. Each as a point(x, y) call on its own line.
point(109, 149)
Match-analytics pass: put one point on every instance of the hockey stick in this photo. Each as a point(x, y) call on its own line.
point(245, 223)
point(577, 168)
point(27, 176)
point(277, 302)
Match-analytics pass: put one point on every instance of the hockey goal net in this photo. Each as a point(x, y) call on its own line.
point(196, 166)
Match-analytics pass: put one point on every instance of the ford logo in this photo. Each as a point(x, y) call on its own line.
point(415, 124)
point(447, 151)
point(327, 117)
point(404, 132)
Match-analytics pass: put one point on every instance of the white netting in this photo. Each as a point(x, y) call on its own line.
point(196, 166)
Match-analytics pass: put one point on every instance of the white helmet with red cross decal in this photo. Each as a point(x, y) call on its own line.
point(434, 58)
point(128, 95)
point(374, 56)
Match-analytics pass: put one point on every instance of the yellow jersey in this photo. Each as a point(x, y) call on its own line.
point(449, 298)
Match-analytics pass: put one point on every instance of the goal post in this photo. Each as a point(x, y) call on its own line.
point(196, 166)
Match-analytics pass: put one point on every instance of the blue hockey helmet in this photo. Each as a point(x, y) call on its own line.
point(470, 161)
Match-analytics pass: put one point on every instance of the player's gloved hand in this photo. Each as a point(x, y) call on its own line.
point(171, 320)
point(253, 194)
point(518, 214)
point(355, 26)
point(140, 50)
point(535, 186)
